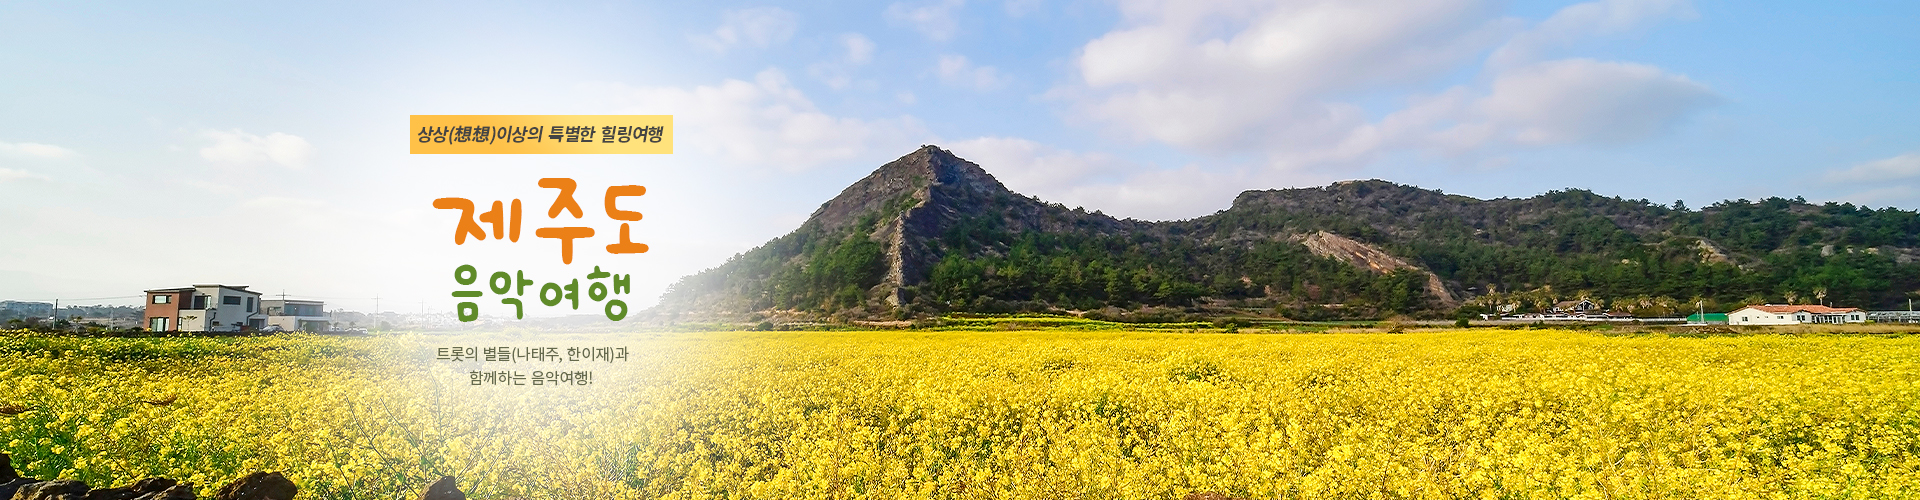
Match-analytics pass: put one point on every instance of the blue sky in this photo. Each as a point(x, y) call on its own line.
point(255, 143)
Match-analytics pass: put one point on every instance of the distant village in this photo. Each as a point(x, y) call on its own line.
point(214, 308)
point(1756, 314)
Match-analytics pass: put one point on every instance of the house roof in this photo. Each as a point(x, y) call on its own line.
point(1790, 309)
point(237, 288)
point(166, 290)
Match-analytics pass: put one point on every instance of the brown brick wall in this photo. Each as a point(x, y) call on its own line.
point(169, 310)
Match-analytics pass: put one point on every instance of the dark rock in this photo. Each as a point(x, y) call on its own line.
point(6, 469)
point(176, 492)
point(144, 489)
point(154, 485)
point(444, 489)
point(123, 493)
point(52, 490)
point(7, 488)
point(259, 486)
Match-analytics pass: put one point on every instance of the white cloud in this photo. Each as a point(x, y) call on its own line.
point(1174, 75)
point(838, 74)
point(934, 20)
point(956, 70)
point(1182, 193)
point(282, 207)
point(1582, 100)
point(210, 186)
point(12, 175)
point(1587, 20)
point(1898, 167)
point(767, 123)
point(1032, 168)
point(859, 48)
point(760, 27)
point(835, 76)
point(1573, 101)
point(1280, 78)
point(1104, 182)
point(1020, 8)
point(1884, 195)
point(240, 148)
point(36, 150)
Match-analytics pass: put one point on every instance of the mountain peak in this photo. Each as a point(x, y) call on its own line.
point(913, 176)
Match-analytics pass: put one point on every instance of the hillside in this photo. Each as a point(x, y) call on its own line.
point(933, 233)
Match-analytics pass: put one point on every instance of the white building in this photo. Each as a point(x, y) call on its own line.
point(204, 308)
point(1772, 314)
point(296, 315)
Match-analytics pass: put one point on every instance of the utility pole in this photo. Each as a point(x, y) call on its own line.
point(55, 315)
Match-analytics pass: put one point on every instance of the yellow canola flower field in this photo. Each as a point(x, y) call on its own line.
point(987, 415)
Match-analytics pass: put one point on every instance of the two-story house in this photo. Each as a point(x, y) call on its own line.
point(204, 308)
point(296, 315)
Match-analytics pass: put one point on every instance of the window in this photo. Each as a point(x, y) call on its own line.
point(232, 300)
point(157, 324)
point(162, 299)
point(249, 304)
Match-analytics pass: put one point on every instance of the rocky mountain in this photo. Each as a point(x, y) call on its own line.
point(931, 233)
point(879, 239)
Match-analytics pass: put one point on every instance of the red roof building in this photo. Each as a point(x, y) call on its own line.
point(1780, 309)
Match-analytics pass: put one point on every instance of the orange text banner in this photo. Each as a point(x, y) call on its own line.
point(540, 134)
